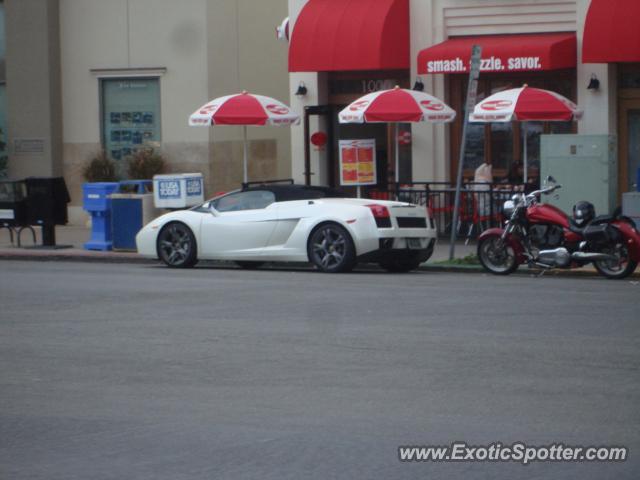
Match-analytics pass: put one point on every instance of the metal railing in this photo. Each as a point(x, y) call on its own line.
point(480, 203)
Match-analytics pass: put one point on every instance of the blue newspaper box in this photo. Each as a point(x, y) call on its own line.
point(96, 199)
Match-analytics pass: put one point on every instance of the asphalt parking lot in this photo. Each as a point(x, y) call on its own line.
point(137, 371)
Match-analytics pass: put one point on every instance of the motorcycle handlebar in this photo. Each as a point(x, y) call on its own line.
point(545, 191)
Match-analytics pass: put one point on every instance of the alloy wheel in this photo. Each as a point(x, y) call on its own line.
point(331, 249)
point(176, 246)
point(496, 256)
point(620, 268)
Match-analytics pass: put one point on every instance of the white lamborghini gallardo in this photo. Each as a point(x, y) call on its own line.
point(292, 223)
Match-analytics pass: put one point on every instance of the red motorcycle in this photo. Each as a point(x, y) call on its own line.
point(543, 236)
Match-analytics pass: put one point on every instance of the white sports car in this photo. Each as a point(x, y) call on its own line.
point(292, 223)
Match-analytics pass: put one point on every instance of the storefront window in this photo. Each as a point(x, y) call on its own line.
point(474, 151)
point(501, 144)
point(501, 138)
point(131, 116)
point(530, 133)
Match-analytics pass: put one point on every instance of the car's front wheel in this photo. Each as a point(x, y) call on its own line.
point(331, 249)
point(177, 246)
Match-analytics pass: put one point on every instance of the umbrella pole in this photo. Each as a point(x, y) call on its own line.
point(244, 157)
point(397, 131)
point(524, 129)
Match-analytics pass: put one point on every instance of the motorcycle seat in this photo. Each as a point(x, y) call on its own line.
point(600, 219)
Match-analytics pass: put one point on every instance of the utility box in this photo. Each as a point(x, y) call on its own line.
point(585, 165)
point(129, 213)
point(47, 199)
point(177, 191)
point(96, 199)
point(631, 206)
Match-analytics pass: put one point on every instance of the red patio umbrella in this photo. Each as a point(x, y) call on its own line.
point(525, 104)
point(395, 106)
point(243, 109)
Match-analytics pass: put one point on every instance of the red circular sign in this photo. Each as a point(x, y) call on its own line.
point(431, 105)
point(277, 109)
point(319, 139)
point(361, 105)
point(496, 105)
point(404, 138)
point(208, 109)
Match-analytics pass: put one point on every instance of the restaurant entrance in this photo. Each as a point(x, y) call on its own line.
point(346, 87)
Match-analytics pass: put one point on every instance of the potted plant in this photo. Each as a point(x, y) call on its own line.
point(100, 168)
point(144, 164)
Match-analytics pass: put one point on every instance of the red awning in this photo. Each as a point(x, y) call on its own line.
point(336, 35)
point(612, 32)
point(502, 53)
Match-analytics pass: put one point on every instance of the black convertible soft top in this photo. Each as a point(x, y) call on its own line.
point(287, 193)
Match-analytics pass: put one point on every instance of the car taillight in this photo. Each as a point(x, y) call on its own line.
point(381, 215)
point(379, 211)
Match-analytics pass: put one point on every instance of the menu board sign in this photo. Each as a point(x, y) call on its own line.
point(358, 162)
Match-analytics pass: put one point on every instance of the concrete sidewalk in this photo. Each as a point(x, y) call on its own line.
point(72, 238)
point(70, 241)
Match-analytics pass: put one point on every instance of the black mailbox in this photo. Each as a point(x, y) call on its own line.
point(13, 204)
point(47, 199)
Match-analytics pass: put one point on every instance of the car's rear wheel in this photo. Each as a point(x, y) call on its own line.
point(177, 246)
point(249, 265)
point(331, 249)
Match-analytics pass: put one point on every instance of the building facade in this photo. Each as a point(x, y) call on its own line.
point(86, 75)
point(533, 42)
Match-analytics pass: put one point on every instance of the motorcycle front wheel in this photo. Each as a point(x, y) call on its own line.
point(619, 269)
point(496, 256)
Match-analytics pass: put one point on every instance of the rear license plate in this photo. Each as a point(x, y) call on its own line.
point(414, 243)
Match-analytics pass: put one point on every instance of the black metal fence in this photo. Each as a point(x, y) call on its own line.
point(480, 203)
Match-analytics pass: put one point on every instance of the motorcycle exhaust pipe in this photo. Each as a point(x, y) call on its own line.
point(592, 257)
point(558, 257)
